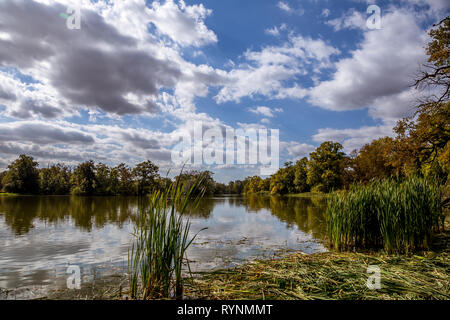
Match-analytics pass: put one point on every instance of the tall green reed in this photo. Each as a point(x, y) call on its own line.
point(398, 216)
point(155, 260)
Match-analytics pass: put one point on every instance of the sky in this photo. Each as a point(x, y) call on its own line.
point(134, 78)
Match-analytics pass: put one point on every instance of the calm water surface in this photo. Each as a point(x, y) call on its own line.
point(41, 236)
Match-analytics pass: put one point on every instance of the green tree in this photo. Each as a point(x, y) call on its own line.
point(374, 160)
point(146, 174)
point(326, 166)
point(204, 179)
point(163, 183)
point(55, 180)
point(301, 175)
point(282, 182)
point(114, 181)
point(83, 179)
point(103, 183)
point(2, 175)
point(252, 184)
point(22, 176)
point(220, 188)
point(235, 187)
point(264, 185)
point(423, 140)
point(126, 179)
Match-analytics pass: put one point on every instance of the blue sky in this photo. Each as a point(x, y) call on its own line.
point(137, 74)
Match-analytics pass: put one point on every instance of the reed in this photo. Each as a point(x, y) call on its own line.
point(155, 260)
point(398, 216)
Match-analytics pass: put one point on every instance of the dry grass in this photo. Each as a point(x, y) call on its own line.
point(332, 275)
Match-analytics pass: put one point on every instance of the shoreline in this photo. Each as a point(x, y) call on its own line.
point(330, 275)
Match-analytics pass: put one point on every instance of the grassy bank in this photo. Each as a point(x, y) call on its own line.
point(291, 195)
point(307, 195)
point(6, 194)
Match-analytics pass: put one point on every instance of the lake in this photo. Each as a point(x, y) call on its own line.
point(41, 236)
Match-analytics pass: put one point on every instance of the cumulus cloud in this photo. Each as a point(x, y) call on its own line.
point(379, 71)
point(352, 139)
point(42, 133)
point(183, 24)
point(267, 71)
point(379, 74)
point(112, 64)
point(66, 141)
point(265, 111)
point(94, 67)
point(351, 20)
point(297, 150)
point(28, 100)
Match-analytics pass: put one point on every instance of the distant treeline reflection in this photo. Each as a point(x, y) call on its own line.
point(22, 212)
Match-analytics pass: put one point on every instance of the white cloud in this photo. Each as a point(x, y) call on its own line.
point(353, 139)
point(250, 126)
point(380, 70)
point(265, 111)
point(182, 23)
point(284, 6)
point(287, 8)
point(436, 6)
point(295, 92)
point(275, 31)
point(268, 70)
point(297, 150)
point(351, 20)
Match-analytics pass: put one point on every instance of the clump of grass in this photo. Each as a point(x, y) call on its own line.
point(398, 216)
point(161, 240)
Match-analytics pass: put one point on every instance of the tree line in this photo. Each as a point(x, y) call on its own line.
point(89, 178)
